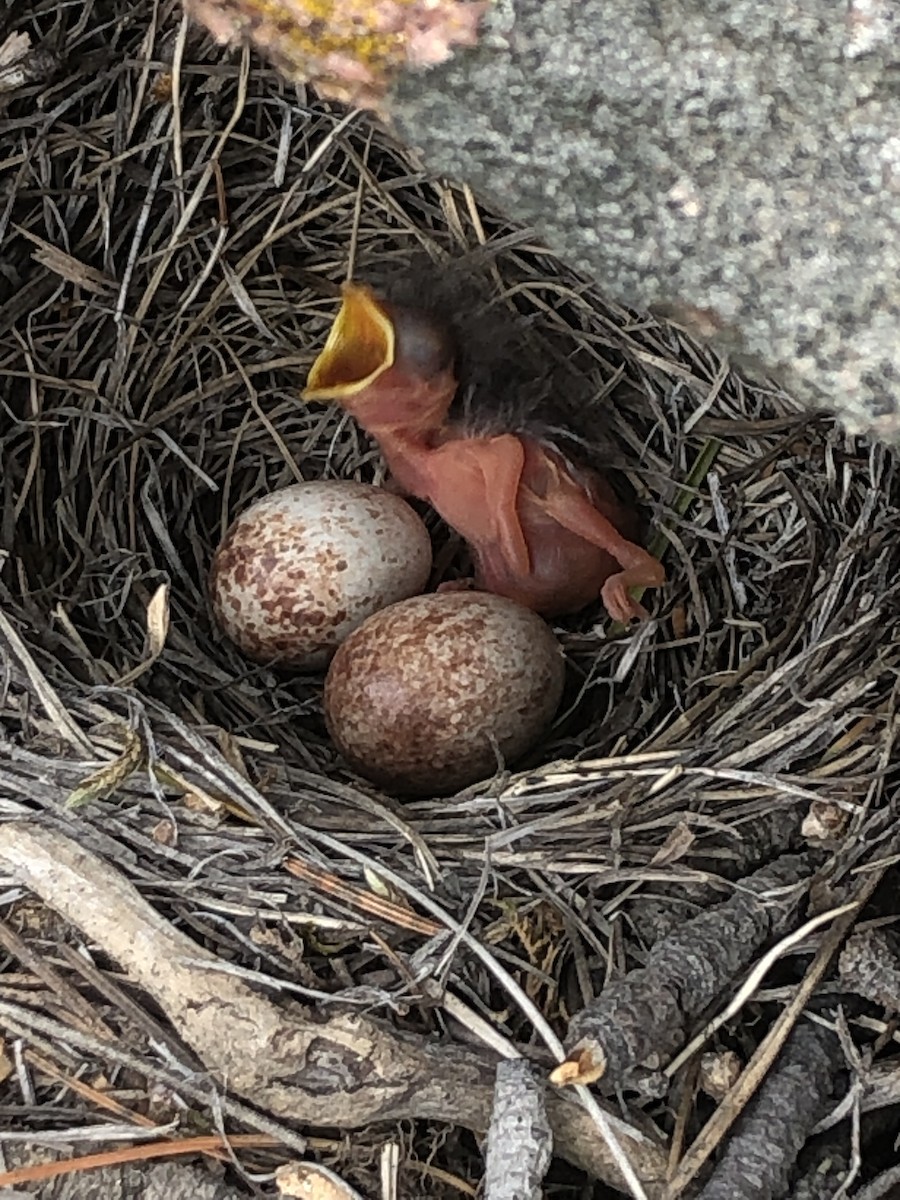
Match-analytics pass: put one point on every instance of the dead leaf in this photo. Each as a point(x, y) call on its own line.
point(111, 775)
point(675, 846)
point(157, 632)
point(158, 619)
point(65, 265)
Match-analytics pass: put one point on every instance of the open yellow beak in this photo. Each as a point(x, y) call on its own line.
point(360, 348)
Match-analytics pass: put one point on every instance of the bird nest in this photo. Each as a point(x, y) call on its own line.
point(176, 222)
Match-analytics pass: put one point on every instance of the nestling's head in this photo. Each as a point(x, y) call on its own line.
point(391, 366)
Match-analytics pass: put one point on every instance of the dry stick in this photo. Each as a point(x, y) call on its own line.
point(763, 1150)
point(736, 1099)
point(882, 1187)
point(80, 1088)
point(49, 1034)
point(53, 706)
point(110, 1158)
point(616, 1135)
point(870, 966)
point(520, 1140)
point(347, 1070)
point(880, 1089)
point(79, 1009)
point(375, 906)
point(107, 1103)
point(751, 983)
point(645, 1016)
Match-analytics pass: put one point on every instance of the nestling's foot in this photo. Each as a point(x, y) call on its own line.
point(619, 602)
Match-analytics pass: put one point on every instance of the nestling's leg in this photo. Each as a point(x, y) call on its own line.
point(575, 512)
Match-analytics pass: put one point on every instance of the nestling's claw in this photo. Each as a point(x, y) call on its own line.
point(619, 602)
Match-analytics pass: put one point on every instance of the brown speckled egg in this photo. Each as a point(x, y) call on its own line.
point(301, 568)
point(418, 695)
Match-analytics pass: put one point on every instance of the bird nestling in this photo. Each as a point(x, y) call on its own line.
point(543, 531)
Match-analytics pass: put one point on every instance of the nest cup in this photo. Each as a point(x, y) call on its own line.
point(165, 285)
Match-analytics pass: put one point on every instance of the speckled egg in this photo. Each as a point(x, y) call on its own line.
point(303, 567)
point(418, 697)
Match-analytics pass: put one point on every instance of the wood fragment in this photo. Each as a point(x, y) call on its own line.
point(668, 906)
point(644, 1017)
point(884, 1187)
point(820, 1178)
point(870, 966)
point(310, 1181)
point(21, 64)
point(520, 1140)
point(719, 1071)
point(346, 1071)
point(760, 1156)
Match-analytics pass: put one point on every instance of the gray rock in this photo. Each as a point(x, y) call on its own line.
point(736, 162)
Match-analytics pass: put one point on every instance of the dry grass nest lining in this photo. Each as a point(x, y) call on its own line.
point(167, 276)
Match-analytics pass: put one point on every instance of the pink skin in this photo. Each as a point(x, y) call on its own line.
point(542, 532)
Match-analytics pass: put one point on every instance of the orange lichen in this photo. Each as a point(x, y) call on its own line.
point(349, 49)
point(580, 1067)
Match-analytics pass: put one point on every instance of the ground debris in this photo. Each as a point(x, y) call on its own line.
point(175, 225)
point(662, 912)
point(820, 1178)
point(22, 64)
point(763, 1149)
point(870, 966)
point(520, 1140)
point(644, 1017)
point(340, 1070)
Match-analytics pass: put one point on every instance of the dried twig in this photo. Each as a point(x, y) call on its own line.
point(646, 1015)
point(758, 1161)
point(92, 1162)
point(382, 1075)
point(519, 1140)
point(870, 965)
